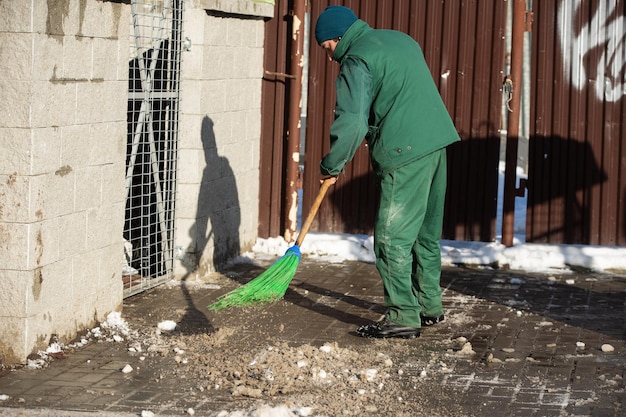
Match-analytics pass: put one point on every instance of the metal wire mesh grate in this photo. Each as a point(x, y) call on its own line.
point(152, 143)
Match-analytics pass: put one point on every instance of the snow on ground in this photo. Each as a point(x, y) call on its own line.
point(521, 256)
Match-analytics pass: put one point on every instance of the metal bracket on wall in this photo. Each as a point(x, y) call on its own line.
point(520, 191)
point(279, 74)
point(528, 21)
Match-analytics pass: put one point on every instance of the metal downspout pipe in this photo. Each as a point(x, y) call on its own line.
point(520, 21)
point(294, 124)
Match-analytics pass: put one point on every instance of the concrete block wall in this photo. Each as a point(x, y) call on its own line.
point(63, 73)
point(220, 128)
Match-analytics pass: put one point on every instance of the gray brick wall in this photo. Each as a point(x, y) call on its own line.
point(62, 129)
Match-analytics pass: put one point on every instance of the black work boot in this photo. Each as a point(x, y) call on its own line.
point(385, 329)
point(429, 321)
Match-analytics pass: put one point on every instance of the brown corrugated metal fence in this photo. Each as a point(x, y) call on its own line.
point(577, 157)
point(275, 90)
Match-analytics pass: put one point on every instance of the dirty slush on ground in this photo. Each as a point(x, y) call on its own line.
point(246, 358)
point(512, 344)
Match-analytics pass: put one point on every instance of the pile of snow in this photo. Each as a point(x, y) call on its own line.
point(269, 411)
point(167, 325)
point(114, 329)
point(114, 326)
point(521, 256)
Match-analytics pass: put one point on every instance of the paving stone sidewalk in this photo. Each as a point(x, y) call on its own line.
point(514, 343)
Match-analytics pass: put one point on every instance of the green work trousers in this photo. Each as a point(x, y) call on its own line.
point(407, 237)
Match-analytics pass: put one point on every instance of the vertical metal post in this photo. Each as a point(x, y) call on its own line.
point(512, 139)
point(293, 132)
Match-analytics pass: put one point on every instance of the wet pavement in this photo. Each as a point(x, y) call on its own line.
point(514, 343)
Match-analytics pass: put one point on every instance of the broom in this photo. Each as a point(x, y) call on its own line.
point(272, 284)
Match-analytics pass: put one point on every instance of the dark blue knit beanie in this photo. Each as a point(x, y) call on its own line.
point(333, 22)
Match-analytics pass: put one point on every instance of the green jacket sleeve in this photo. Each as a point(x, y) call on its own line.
point(351, 115)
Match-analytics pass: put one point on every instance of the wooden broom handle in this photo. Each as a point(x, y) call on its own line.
point(316, 205)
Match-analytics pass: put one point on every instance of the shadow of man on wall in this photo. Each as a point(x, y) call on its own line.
point(218, 216)
point(563, 181)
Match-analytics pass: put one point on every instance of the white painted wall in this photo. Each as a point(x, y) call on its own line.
point(64, 78)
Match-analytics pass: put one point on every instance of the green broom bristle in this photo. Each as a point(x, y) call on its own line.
point(268, 287)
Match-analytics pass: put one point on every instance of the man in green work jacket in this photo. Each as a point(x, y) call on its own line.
point(386, 95)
